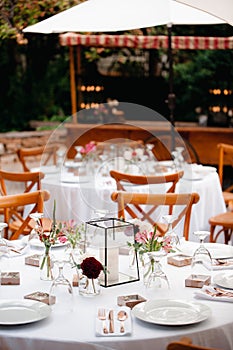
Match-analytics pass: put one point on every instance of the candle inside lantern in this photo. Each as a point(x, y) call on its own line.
point(112, 261)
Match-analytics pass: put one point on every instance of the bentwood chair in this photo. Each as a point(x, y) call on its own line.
point(41, 155)
point(169, 180)
point(186, 344)
point(17, 223)
point(19, 181)
point(225, 157)
point(15, 182)
point(222, 224)
point(185, 202)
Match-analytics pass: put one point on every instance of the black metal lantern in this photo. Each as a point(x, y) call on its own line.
point(107, 239)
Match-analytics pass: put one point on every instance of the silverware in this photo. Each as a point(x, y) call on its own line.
point(111, 321)
point(218, 292)
point(102, 317)
point(122, 316)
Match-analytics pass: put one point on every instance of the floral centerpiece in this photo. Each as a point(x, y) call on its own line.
point(89, 280)
point(89, 149)
point(71, 232)
point(151, 247)
point(48, 239)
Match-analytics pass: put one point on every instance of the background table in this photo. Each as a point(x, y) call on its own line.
point(76, 330)
point(79, 201)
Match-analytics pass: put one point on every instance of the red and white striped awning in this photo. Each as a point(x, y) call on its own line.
point(147, 42)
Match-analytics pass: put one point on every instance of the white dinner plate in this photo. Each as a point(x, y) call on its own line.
point(75, 179)
point(47, 169)
point(16, 312)
point(166, 163)
point(224, 280)
point(169, 312)
point(217, 250)
point(72, 164)
point(38, 244)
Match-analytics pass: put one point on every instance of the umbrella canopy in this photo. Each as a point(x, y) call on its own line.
point(121, 15)
point(222, 9)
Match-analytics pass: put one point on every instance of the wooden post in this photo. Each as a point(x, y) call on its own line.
point(79, 75)
point(73, 86)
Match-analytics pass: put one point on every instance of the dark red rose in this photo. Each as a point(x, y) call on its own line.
point(91, 267)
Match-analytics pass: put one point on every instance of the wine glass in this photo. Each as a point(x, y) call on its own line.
point(175, 241)
point(201, 260)
point(100, 213)
point(153, 274)
point(61, 291)
point(34, 237)
point(2, 240)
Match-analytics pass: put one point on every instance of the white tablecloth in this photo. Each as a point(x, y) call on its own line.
point(76, 330)
point(79, 201)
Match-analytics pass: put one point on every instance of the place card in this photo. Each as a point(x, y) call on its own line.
point(197, 281)
point(130, 300)
point(33, 260)
point(179, 260)
point(10, 278)
point(42, 297)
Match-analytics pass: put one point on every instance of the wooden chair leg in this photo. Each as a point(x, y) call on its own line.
point(212, 229)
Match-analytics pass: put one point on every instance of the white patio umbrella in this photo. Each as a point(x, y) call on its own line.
point(222, 9)
point(121, 15)
point(118, 15)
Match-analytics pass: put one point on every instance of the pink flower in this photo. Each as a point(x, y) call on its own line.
point(62, 239)
point(88, 148)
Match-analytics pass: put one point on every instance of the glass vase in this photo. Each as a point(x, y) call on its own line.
point(89, 286)
point(46, 265)
point(153, 274)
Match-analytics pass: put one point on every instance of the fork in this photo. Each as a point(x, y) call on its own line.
point(102, 317)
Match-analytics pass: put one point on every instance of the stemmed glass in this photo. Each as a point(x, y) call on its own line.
point(201, 260)
point(2, 241)
point(153, 274)
point(34, 234)
point(61, 289)
point(175, 241)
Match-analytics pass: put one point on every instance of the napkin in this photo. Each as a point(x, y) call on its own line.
point(214, 293)
point(13, 248)
point(127, 323)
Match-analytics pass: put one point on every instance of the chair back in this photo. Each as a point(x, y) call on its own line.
point(17, 223)
point(184, 201)
point(185, 343)
point(19, 181)
point(122, 178)
point(37, 155)
point(225, 156)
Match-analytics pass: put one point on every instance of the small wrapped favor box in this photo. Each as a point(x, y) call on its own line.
point(8, 278)
point(42, 297)
point(179, 260)
point(197, 281)
point(130, 300)
point(33, 260)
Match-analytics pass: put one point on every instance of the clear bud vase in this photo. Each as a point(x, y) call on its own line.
point(89, 286)
point(46, 265)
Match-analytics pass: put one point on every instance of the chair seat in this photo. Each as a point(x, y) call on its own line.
point(46, 224)
point(228, 196)
point(224, 219)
